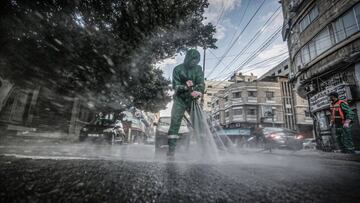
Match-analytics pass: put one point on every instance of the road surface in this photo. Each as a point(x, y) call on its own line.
point(131, 173)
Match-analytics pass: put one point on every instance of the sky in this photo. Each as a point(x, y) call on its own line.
point(243, 43)
point(242, 39)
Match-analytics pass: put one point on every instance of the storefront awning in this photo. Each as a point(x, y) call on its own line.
point(235, 132)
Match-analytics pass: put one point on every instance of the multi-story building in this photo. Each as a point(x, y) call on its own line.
point(245, 105)
point(282, 69)
point(295, 108)
point(243, 78)
point(211, 88)
point(324, 45)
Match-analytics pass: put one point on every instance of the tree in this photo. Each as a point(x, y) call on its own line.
point(99, 48)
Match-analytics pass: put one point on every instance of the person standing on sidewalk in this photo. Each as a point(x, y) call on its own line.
point(342, 118)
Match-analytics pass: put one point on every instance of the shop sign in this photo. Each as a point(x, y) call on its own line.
point(321, 100)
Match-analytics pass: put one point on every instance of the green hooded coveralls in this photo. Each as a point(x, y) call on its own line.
point(343, 135)
point(182, 96)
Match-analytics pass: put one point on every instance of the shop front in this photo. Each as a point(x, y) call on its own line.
point(319, 103)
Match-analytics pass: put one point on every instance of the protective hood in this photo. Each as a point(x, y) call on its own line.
point(190, 55)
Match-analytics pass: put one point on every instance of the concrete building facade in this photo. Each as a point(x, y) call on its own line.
point(211, 88)
point(295, 108)
point(246, 105)
point(324, 45)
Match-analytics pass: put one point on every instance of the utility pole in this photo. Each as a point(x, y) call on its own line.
point(202, 96)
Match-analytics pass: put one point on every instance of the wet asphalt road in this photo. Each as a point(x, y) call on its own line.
point(101, 173)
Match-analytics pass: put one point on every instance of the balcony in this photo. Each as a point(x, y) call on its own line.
point(237, 101)
point(252, 100)
point(238, 118)
point(251, 118)
point(227, 104)
point(270, 100)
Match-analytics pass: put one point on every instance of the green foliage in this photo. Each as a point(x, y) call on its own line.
point(102, 49)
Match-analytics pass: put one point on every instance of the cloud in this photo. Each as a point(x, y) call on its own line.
point(275, 23)
point(220, 32)
point(219, 8)
point(167, 62)
point(274, 50)
point(216, 12)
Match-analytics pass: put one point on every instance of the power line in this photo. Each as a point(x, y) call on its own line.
point(217, 57)
point(263, 46)
point(263, 61)
point(233, 43)
point(221, 13)
point(241, 20)
point(258, 33)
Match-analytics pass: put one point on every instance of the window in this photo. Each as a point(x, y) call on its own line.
point(251, 112)
point(343, 27)
point(209, 94)
point(339, 30)
point(279, 71)
point(313, 14)
point(307, 113)
point(217, 102)
point(286, 67)
point(310, 17)
point(357, 13)
point(350, 23)
point(227, 113)
point(237, 95)
point(238, 111)
point(304, 23)
point(312, 50)
point(252, 94)
point(209, 86)
point(323, 41)
point(270, 95)
point(213, 105)
point(226, 98)
point(305, 54)
point(346, 25)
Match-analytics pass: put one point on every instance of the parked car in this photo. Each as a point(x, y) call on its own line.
point(138, 128)
point(309, 143)
point(103, 130)
point(271, 137)
point(161, 134)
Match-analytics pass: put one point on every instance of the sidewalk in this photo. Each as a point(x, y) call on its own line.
point(307, 153)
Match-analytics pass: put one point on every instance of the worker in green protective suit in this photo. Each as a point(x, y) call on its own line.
point(188, 84)
point(342, 118)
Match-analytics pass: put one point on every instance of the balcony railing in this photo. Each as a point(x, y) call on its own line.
point(252, 99)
